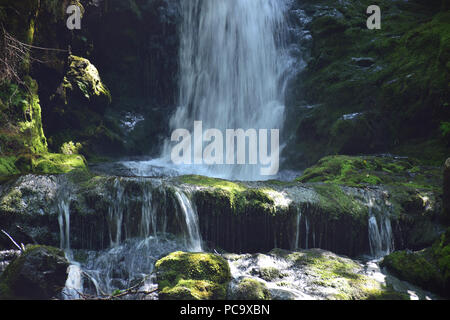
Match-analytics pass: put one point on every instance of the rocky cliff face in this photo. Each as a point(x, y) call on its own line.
point(371, 91)
point(234, 216)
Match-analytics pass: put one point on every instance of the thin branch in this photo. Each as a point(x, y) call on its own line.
point(21, 248)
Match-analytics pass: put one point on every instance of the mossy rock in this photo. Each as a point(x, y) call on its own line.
point(7, 166)
point(371, 170)
point(192, 276)
point(428, 268)
point(342, 277)
point(83, 82)
point(39, 273)
point(251, 289)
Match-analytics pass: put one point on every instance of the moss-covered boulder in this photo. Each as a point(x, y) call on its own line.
point(82, 81)
point(251, 289)
point(39, 273)
point(428, 268)
point(306, 275)
point(192, 276)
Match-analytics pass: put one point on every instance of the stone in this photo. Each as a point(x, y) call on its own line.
point(39, 273)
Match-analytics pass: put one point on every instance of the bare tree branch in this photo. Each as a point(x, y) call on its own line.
point(21, 248)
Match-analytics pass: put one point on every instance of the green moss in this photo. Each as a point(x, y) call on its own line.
point(369, 170)
point(251, 289)
point(213, 182)
point(402, 86)
point(57, 163)
point(7, 166)
point(428, 268)
point(343, 277)
point(270, 274)
point(84, 76)
point(188, 276)
point(11, 201)
point(336, 202)
point(414, 267)
point(236, 196)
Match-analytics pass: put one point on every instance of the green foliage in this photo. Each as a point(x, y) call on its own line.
point(70, 148)
point(445, 129)
point(7, 166)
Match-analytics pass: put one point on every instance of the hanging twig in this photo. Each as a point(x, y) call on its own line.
point(21, 248)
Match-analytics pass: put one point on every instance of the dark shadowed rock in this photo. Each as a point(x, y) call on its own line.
point(38, 274)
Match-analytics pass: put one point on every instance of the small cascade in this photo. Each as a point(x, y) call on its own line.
point(296, 245)
point(64, 222)
point(297, 229)
point(380, 230)
point(191, 218)
point(115, 214)
point(307, 232)
point(138, 218)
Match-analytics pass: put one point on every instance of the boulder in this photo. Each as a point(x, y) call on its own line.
point(82, 83)
point(192, 276)
point(38, 274)
point(251, 289)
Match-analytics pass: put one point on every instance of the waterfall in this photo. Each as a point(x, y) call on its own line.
point(64, 222)
point(307, 232)
point(297, 229)
point(233, 71)
point(115, 214)
point(380, 230)
point(139, 214)
point(191, 218)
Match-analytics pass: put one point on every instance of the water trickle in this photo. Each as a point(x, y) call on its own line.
point(380, 230)
point(64, 223)
point(307, 232)
point(191, 219)
point(297, 229)
point(115, 214)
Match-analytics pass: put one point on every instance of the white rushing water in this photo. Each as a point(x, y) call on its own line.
point(380, 230)
point(131, 257)
point(234, 69)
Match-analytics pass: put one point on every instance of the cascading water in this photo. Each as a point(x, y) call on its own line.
point(380, 229)
point(134, 248)
point(190, 215)
point(234, 68)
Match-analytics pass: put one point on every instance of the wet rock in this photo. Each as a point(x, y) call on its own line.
point(251, 289)
point(82, 82)
point(192, 276)
point(428, 268)
point(38, 274)
point(6, 257)
point(364, 62)
point(306, 275)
